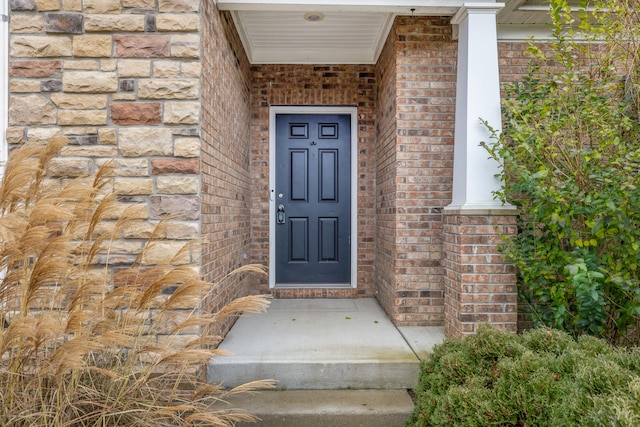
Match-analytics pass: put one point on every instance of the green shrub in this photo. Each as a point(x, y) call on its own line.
point(541, 378)
point(570, 147)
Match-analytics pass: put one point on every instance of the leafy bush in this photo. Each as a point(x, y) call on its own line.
point(74, 350)
point(570, 148)
point(541, 378)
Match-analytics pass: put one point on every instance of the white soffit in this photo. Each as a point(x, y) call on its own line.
point(286, 37)
point(351, 31)
point(354, 31)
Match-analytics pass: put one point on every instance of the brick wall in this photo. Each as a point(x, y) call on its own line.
point(225, 157)
point(415, 167)
point(333, 85)
point(479, 285)
point(386, 172)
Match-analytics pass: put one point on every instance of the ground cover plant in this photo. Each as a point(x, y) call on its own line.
point(74, 349)
point(570, 148)
point(541, 378)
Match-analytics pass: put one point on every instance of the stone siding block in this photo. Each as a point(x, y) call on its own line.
point(89, 151)
point(142, 46)
point(133, 186)
point(178, 22)
point(142, 4)
point(178, 5)
point(102, 6)
point(107, 136)
point(185, 46)
point(174, 166)
point(24, 86)
point(50, 86)
point(186, 147)
point(31, 110)
point(145, 141)
point(47, 5)
point(40, 135)
point(26, 23)
point(89, 82)
point(68, 168)
point(168, 89)
point(40, 46)
point(72, 5)
point(184, 207)
point(113, 23)
point(166, 69)
point(129, 167)
point(92, 46)
point(34, 68)
point(22, 5)
point(181, 113)
point(70, 23)
point(134, 68)
point(79, 102)
point(177, 185)
point(135, 113)
point(82, 117)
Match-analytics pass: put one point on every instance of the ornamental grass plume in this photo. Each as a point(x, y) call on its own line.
point(74, 349)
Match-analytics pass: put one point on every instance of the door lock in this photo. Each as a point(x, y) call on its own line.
point(280, 215)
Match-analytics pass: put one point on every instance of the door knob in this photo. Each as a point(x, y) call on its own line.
point(280, 215)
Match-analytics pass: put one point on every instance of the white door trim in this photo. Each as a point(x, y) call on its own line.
point(353, 112)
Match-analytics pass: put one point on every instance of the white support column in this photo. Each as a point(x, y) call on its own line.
point(4, 82)
point(477, 97)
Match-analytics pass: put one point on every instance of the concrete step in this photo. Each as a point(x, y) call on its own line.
point(320, 344)
point(324, 408)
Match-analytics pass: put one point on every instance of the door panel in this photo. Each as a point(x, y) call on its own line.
point(313, 190)
point(299, 181)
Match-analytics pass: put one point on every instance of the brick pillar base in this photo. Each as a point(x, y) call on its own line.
point(480, 287)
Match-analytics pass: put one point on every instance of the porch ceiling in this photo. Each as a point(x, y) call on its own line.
point(350, 31)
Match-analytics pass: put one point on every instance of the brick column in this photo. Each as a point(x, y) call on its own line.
point(480, 287)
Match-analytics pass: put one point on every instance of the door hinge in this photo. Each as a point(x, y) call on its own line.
point(4, 18)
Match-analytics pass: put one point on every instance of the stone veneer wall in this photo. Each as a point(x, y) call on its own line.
point(313, 85)
point(225, 158)
point(121, 80)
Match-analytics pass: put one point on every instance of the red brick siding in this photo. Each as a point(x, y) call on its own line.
point(479, 284)
point(225, 157)
point(386, 172)
point(425, 59)
point(315, 85)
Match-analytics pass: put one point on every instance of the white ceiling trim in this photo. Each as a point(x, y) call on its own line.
point(431, 7)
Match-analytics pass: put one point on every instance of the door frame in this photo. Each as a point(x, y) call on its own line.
point(353, 112)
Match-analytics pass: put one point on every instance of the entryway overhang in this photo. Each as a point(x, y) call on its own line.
point(354, 31)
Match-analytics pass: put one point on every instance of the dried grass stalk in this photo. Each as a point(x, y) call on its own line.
point(74, 350)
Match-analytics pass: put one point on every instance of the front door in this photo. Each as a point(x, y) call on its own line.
point(313, 199)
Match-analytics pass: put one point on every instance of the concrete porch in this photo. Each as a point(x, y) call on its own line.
point(318, 344)
point(338, 362)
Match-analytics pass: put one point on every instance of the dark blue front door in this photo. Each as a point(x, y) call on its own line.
point(313, 199)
